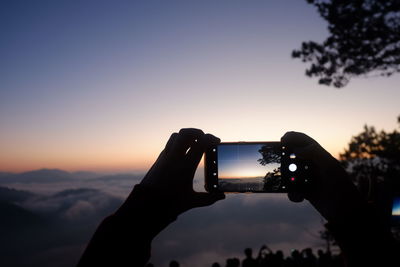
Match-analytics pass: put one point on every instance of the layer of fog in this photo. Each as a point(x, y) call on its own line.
point(70, 210)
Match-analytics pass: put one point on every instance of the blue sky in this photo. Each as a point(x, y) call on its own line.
point(100, 85)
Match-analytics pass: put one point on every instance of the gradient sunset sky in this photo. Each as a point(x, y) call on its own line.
point(100, 85)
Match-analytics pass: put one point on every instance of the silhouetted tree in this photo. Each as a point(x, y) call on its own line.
point(364, 39)
point(270, 154)
point(372, 157)
point(373, 161)
point(272, 180)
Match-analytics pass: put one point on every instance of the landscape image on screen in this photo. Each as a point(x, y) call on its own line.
point(396, 210)
point(249, 167)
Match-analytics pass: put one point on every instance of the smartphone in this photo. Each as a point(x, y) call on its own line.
point(253, 167)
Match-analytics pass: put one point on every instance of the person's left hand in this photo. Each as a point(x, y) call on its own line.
point(174, 170)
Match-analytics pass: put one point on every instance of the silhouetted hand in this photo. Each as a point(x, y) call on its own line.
point(174, 170)
point(332, 193)
point(124, 238)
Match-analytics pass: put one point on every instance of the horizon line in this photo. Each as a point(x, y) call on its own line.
point(121, 171)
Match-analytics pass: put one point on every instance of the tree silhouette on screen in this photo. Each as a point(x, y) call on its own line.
point(271, 154)
point(364, 40)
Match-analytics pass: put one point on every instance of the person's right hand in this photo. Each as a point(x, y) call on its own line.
point(332, 193)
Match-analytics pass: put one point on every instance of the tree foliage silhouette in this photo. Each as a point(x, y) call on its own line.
point(364, 40)
point(373, 161)
point(270, 154)
point(374, 155)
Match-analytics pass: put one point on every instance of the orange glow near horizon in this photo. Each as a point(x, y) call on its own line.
point(101, 160)
point(121, 166)
point(134, 162)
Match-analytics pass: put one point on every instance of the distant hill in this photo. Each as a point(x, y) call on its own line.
point(14, 216)
point(13, 195)
point(43, 175)
point(2, 174)
point(57, 175)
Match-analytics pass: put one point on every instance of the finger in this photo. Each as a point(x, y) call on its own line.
point(315, 154)
point(184, 141)
point(295, 197)
point(170, 142)
point(196, 151)
point(296, 139)
point(201, 199)
point(162, 157)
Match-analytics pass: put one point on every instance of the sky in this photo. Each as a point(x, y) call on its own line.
point(101, 85)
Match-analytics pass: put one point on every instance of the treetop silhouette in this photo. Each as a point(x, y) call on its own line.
point(364, 40)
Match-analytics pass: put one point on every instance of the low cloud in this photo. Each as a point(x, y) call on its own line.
point(234, 224)
point(73, 204)
point(79, 209)
point(197, 238)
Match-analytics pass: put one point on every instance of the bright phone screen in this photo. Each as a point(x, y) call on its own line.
point(396, 210)
point(252, 167)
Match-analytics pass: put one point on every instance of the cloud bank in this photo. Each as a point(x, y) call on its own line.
point(58, 221)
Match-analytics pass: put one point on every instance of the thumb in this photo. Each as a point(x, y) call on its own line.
point(201, 199)
point(295, 196)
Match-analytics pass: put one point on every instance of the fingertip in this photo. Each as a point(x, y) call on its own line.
point(173, 135)
point(295, 197)
point(296, 139)
point(191, 131)
point(170, 141)
point(219, 196)
point(288, 136)
point(206, 199)
point(288, 133)
point(211, 139)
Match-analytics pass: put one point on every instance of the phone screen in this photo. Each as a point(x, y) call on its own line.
point(249, 167)
point(396, 210)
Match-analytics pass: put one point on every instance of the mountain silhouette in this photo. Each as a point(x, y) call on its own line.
point(42, 175)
